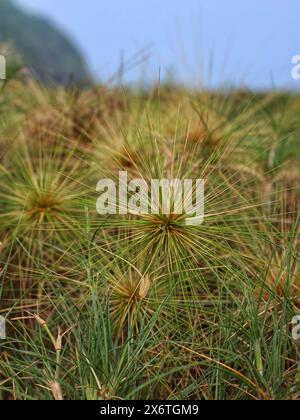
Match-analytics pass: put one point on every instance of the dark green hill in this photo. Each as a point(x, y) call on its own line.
point(43, 47)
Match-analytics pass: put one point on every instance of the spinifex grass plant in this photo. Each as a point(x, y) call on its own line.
point(230, 213)
point(42, 197)
point(41, 191)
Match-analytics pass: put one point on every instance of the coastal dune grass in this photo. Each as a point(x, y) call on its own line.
point(145, 306)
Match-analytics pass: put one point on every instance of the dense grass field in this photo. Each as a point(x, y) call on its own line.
point(133, 307)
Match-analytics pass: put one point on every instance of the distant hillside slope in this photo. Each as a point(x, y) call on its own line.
point(44, 48)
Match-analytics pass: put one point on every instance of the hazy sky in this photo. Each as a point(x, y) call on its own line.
point(218, 40)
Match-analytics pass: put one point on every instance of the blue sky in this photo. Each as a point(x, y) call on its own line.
point(218, 41)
